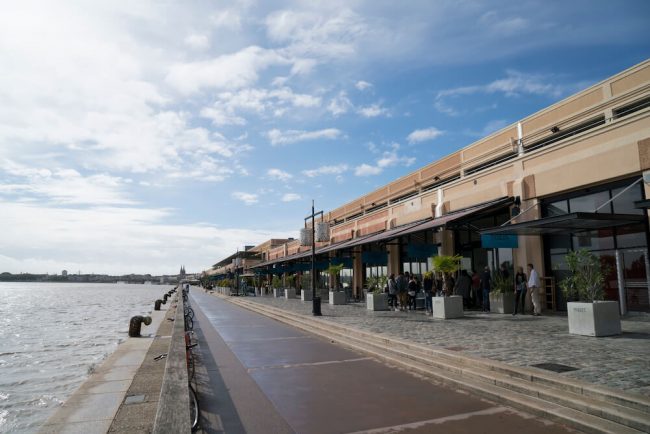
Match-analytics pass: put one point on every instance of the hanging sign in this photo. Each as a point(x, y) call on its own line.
point(490, 241)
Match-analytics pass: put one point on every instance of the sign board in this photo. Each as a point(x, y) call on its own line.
point(499, 241)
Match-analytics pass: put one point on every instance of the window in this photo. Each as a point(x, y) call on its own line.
point(561, 134)
point(633, 107)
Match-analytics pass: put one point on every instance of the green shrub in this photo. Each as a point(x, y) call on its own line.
point(587, 277)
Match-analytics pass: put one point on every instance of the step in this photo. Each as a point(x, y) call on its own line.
point(520, 384)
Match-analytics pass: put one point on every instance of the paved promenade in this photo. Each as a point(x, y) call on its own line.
point(621, 362)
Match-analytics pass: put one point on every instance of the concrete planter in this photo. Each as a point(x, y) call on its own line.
point(278, 292)
point(289, 293)
point(502, 303)
point(600, 318)
point(377, 301)
point(306, 295)
point(337, 297)
point(447, 307)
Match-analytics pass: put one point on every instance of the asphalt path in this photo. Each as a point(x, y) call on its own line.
point(257, 375)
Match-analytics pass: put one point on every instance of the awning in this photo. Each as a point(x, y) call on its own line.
point(567, 224)
point(345, 244)
point(457, 215)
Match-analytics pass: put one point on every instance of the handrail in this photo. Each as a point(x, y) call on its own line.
point(173, 414)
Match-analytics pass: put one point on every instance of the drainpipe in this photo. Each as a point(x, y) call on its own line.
point(439, 205)
point(621, 283)
point(520, 139)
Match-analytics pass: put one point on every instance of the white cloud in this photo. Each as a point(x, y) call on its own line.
point(197, 42)
point(423, 135)
point(278, 137)
point(247, 198)
point(290, 197)
point(340, 104)
point(220, 117)
point(52, 238)
point(367, 170)
point(228, 71)
point(326, 170)
point(388, 159)
point(362, 85)
point(373, 110)
point(278, 174)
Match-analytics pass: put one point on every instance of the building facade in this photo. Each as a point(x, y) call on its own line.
point(567, 177)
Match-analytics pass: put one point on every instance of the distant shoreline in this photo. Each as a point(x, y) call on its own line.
point(135, 279)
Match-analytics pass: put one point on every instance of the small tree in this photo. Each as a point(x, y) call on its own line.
point(335, 271)
point(447, 265)
point(587, 277)
point(276, 283)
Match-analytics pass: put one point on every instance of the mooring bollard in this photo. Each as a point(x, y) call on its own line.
point(165, 298)
point(157, 304)
point(136, 323)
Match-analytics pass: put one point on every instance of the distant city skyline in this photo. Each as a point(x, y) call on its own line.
point(138, 137)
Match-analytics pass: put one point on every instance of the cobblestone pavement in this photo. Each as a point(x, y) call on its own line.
point(621, 362)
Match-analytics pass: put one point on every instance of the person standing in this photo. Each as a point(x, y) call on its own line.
point(534, 288)
point(413, 288)
point(486, 284)
point(402, 283)
point(427, 283)
point(392, 292)
point(463, 286)
point(520, 290)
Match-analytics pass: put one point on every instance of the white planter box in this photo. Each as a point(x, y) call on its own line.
point(337, 297)
point(502, 303)
point(289, 293)
point(447, 307)
point(600, 318)
point(278, 292)
point(306, 295)
point(377, 301)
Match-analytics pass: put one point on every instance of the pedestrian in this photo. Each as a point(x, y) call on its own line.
point(413, 288)
point(439, 285)
point(428, 292)
point(463, 287)
point(520, 290)
point(486, 283)
point(476, 289)
point(534, 288)
point(392, 292)
point(402, 284)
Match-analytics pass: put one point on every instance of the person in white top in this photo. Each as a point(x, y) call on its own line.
point(533, 288)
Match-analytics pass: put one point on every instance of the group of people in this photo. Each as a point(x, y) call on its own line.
point(474, 289)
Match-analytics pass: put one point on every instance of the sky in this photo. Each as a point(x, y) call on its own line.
point(136, 137)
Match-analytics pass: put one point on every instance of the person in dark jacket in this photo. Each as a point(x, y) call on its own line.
point(413, 288)
point(428, 292)
point(486, 285)
point(463, 287)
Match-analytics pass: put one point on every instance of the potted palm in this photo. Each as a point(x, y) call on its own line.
point(276, 283)
point(447, 306)
point(377, 298)
point(588, 313)
point(336, 296)
point(502, 295)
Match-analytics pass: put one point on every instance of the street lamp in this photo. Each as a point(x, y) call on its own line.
point(304, 240)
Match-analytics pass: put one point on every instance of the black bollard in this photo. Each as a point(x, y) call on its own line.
point(157, 304)
point(165, 299)
point(136, 323)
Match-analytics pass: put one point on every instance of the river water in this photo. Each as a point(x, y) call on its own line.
point(52, 336)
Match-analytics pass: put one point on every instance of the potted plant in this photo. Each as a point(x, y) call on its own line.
point(447, 306)
point(589, 314)
point(502, 295)
point(336, 296)
point(376, 298)
point(276, 283)
point(306, 294)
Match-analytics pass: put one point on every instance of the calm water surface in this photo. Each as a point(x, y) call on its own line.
point(52, 335)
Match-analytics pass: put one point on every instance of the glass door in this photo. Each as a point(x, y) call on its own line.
point(634, 270)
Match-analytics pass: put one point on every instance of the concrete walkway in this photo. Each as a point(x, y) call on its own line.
point(620, 362)
point(264, 376)
point(92, 408)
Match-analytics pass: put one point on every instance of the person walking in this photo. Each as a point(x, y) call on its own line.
point(463, 286)
point(402, 284)
point(392, 292)
point(520, 291)
point(534, 286)
point(427, 284)
point(486, 284)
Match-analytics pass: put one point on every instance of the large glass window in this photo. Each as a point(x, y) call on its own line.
point(589, 202)
point(624, 204)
